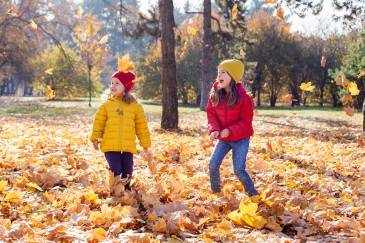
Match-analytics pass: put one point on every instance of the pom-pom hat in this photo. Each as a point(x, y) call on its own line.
point(126, 78)
point(234, 67)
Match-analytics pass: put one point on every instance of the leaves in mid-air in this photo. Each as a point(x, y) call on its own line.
point(50, 92)
point(307, 86)
point(124, 64)
point(234, 11)
point(33, 25)
point(280, 13)
point(323, 61)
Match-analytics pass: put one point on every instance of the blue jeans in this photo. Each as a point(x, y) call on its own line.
point(239, 153)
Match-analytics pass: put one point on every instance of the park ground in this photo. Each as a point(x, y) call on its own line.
point(307, 164)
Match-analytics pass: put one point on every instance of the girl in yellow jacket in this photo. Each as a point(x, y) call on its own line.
point(118, 121)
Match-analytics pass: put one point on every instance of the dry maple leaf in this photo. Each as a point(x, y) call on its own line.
point(323, 61)
point(307, 86)
point(287, 98)
point(242, 53)
point(271, 1)
point(350, 111)
point(192, 31)
point(280, 13)
point(347, 98)
point(124, 64)
point(234, 11)
point(33, 25)
point(104, 39)
point(80, 11)
point(342, 81)
point(361, 74)
point(50, 93)
point(352, 88)
point(49, 71)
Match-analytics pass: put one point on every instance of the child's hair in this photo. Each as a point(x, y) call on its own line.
point(127, 97)
point(220, 94)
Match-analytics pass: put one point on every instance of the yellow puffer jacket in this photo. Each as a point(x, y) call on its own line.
point(118, 124)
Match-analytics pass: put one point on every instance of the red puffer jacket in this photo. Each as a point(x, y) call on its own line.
point(238, 119)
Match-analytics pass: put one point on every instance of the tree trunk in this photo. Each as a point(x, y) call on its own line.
point(170, 117)
point(89, 71)
point(363, 116)
point(207, 56)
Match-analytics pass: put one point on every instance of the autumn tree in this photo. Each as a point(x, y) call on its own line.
point(353, 69)
point(91, 45)
point(52, 69)
point(269, 50)
point(169, 85)
point(27, 27)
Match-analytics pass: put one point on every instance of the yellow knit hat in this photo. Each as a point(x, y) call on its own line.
point(234, 67)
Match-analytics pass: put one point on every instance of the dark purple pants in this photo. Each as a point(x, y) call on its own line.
point(120, 164)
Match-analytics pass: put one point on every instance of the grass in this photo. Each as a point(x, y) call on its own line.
point(40, 107)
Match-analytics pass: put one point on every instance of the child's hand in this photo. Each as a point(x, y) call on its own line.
point(214, 135)
point(96, 145)
point(224, 133)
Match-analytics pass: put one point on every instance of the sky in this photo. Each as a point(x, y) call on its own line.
point(310, 25)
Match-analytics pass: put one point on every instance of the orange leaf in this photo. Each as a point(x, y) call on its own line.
point(350, 111)
point(280, 13)
point(271, 1)
point(347, 98)
point(234, 11)
point(242, 53)
point(323, 61)
point(287, 98)
point(361, 74)
point(342, 81)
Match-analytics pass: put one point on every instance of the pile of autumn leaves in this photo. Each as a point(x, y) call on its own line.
point(53, 186)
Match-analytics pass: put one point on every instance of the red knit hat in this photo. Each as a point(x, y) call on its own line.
point(126, 79)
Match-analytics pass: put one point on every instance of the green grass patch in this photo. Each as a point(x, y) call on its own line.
point(37, 111)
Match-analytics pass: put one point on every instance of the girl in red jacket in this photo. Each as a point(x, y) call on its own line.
point(230, 114)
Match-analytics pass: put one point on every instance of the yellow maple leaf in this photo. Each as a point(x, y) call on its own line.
point(50, 92)
point(247, 214)
point(307, 87)
point(234, 11)
point(80, 11)
point(33, 25)
point(33, 185)
point(192, 31)
point(361, 74)
point(3, 186)
point(13, 196)
point(49, 71)
point(352, 88)
point(242, 53)
point(160, 226)
point(104, 39)
point(280, 13)
point(124, 65)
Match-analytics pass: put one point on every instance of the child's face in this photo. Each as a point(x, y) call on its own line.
point(223, 78)
point(116, 88)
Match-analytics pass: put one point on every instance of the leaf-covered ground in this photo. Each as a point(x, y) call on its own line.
point(309, 170)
